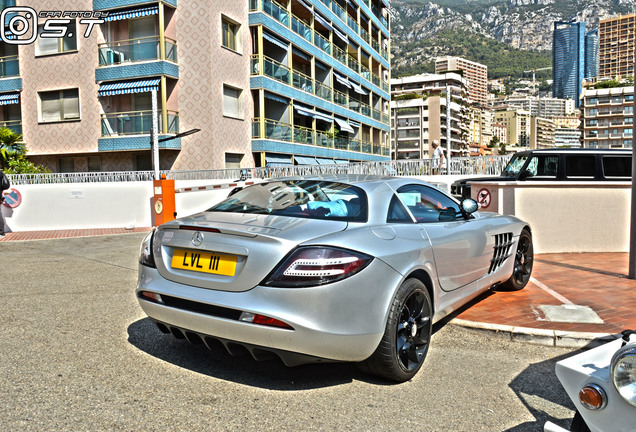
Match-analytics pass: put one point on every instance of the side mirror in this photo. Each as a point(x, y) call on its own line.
point(469, 206)
point(525, 174)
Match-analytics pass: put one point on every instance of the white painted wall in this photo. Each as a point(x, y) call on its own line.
point(567, 216)
point(112, 205)
point(99, 205)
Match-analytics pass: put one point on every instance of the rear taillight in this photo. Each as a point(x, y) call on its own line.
point(146, 256)
point(312, 266)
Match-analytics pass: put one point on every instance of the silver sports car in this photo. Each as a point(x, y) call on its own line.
point(339, 268)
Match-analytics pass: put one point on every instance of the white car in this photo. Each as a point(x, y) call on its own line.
point(602, 384)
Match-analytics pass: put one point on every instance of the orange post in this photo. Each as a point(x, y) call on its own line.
point(163, 202)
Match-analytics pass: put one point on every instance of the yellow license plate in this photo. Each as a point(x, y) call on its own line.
point(205, 262)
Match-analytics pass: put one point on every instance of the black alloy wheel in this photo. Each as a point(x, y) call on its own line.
point(524, 259)
point(414, 331)
point(407, 335)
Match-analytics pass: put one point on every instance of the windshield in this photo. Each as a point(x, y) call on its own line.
point(514, 166)
point(312, 199)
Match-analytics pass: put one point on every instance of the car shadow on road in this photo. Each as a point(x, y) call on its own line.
point(270, 374)
point(529, 390)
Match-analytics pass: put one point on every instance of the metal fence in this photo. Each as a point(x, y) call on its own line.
point(488, 165)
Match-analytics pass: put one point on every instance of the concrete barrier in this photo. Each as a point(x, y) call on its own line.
point(565, 216)
point(101, 205)
point(118, 204)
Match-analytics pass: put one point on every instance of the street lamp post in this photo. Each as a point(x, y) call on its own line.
point(448, 129)
point(632, 235)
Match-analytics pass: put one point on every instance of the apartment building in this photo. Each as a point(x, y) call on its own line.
point(500, 131)
point(567, 132)
point(264, 81)
point(538, 106)
point(608, 117)
point(475, 73)
point(86, 102)
point(567, 137)
point(518, 124)
point(482, 118)
point(319, 79)
point(616, 46)
point(419, 114)
point(542, 132)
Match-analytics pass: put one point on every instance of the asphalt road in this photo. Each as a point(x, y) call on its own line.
point(77, 354)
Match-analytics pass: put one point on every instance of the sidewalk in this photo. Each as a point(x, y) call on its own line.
point(571, 299)
point(48, 235)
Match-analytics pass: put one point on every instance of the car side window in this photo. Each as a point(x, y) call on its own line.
point(617, 167)
point(580, 166)
point(544, 166)
point(397, 212)
point(427, 204)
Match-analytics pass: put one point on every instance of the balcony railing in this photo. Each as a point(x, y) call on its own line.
point(278, 71)
point(9, 66)
point(136, 123)
point(13, 125)
point(300, 27)
point(280, 131)
point(134, 50)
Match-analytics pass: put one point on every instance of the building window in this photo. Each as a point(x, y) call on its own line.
point(629, 98)
point(232, 106)
point(58, 105)
point(230, 30)
point(593, 112)
point(48, 45)
point(233, 160)
point(94, 163)
point(628, 110)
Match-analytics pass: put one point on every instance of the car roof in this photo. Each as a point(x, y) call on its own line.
point(352, 179)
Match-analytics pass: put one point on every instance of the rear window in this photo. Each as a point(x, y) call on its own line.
point(619, 167)
point(314, 199)
point(580, 165)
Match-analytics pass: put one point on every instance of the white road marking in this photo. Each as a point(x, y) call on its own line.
point(551, 291)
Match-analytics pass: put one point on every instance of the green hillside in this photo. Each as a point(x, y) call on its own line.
point(501, 58)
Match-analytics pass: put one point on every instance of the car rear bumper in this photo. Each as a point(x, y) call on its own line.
point(341, 321)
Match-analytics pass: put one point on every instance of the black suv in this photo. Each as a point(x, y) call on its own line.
point(559, 165)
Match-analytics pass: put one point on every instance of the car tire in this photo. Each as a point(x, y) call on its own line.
point(578, 424)
point(524, 259)
point(407, 335)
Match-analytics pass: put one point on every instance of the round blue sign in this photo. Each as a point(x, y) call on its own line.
point(13, 198)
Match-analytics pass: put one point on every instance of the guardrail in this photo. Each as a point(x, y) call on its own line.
point(486, 165)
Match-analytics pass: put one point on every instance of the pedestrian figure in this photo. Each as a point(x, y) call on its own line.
point(438, 157)
point(4, 185)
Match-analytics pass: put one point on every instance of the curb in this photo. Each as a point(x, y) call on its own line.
point(555, 338)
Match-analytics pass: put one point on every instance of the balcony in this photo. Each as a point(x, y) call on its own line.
point(136, 50)
point(280, 131)
point(263, 65)
point(136, 123)
point(303, 29)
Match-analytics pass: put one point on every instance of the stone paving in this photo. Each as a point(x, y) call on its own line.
point(596, 280)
